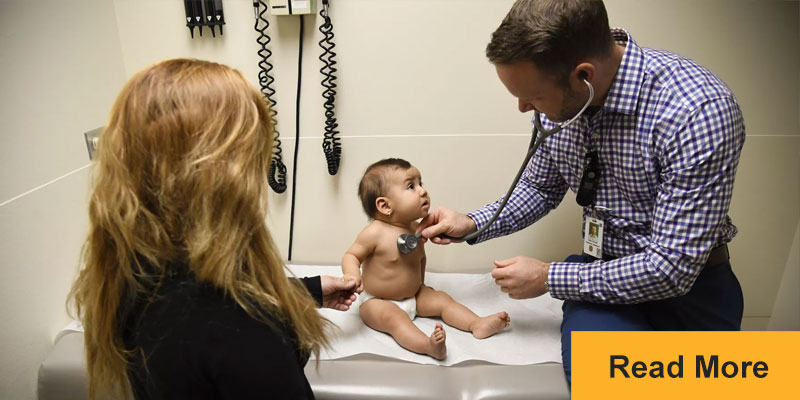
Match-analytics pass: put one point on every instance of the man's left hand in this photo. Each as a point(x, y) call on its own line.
point(337, 293)
point(521, 277)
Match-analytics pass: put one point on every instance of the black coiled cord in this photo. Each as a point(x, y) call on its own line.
point(331, 144)
point(277, 169)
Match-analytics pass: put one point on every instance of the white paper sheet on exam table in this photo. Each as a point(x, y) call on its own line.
point(533, 337)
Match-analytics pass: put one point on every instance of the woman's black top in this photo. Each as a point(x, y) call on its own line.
point(193, 342)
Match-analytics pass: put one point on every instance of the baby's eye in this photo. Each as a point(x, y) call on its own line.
point(410, 186)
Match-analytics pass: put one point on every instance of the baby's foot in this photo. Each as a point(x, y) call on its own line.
point(487, 326)
point(436, 344)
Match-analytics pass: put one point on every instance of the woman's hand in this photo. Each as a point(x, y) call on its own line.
point(338, 293)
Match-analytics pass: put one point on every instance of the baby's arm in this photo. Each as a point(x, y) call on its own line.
point(363, 247)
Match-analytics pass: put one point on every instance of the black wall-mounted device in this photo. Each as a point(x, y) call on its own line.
point(200, 13)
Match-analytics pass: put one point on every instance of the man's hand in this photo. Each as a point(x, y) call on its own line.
point(338, 293)
point(521, 277)
point(444, 220)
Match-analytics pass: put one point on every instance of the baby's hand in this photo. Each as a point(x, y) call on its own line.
point(359, 286)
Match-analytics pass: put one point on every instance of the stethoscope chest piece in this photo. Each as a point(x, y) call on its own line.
point(407, 242)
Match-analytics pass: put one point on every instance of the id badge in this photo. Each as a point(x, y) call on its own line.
point(593, 240)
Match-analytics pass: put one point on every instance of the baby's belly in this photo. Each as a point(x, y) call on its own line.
point(391, 286)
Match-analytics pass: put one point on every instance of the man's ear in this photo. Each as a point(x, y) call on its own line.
point(383, 206)
point(584, 71)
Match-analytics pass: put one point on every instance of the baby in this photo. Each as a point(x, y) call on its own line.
point(394, 293)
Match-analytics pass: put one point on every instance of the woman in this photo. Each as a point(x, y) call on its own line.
point(184, 294)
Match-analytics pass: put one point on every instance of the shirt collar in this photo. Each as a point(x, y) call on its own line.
point(623, 95)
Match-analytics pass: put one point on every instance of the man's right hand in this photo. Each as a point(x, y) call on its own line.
point(445, 221)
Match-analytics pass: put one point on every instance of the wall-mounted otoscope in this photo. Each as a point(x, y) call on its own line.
point(214, 15)
point(194, 15)
point(407, 242)
point(200, 13)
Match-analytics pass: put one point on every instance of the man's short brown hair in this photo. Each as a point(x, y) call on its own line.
point(556, 35)
point(373, 183)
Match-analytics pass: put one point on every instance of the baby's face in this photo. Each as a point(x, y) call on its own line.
point(409, 200)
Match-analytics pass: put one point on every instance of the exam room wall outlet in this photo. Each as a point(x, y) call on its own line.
point(92, 138)
point(291, 7)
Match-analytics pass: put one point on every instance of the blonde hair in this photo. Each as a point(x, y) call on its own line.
point(181, 174)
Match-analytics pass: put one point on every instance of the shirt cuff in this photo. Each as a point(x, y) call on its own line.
point(564, 280)
point(314, 286)
point(481, 217)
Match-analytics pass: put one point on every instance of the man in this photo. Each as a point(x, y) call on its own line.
point(664, 135)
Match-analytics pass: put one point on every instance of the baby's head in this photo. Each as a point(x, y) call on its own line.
point(391, 189)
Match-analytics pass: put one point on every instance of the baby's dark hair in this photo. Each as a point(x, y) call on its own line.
point(373, 183)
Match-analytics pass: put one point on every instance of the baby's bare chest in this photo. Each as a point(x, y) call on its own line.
point(389, 256)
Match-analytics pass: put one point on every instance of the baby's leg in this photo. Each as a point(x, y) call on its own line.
point(387, 317)
point(435, 303)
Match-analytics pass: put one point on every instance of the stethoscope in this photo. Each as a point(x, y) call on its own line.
point(407, 242)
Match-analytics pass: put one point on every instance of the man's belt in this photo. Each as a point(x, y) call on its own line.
point(719, 255)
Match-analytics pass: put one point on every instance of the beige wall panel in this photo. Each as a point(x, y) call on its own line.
point(40, 240)
point(61, 69)
point(405, 67)
point(418, 67)
point(765, 209)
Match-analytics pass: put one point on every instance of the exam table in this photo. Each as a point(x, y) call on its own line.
point(62, 377)
point(359, 370)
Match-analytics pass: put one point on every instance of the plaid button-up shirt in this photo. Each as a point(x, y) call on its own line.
point(669, 136)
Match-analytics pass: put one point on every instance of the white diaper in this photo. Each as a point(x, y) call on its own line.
point(408, 305)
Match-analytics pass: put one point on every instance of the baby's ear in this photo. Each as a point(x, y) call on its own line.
point(382, 205)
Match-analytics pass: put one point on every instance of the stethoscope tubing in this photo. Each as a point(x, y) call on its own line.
point(538, 136)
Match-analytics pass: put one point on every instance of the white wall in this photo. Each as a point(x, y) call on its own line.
point(413, 83)
point(61, 68)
